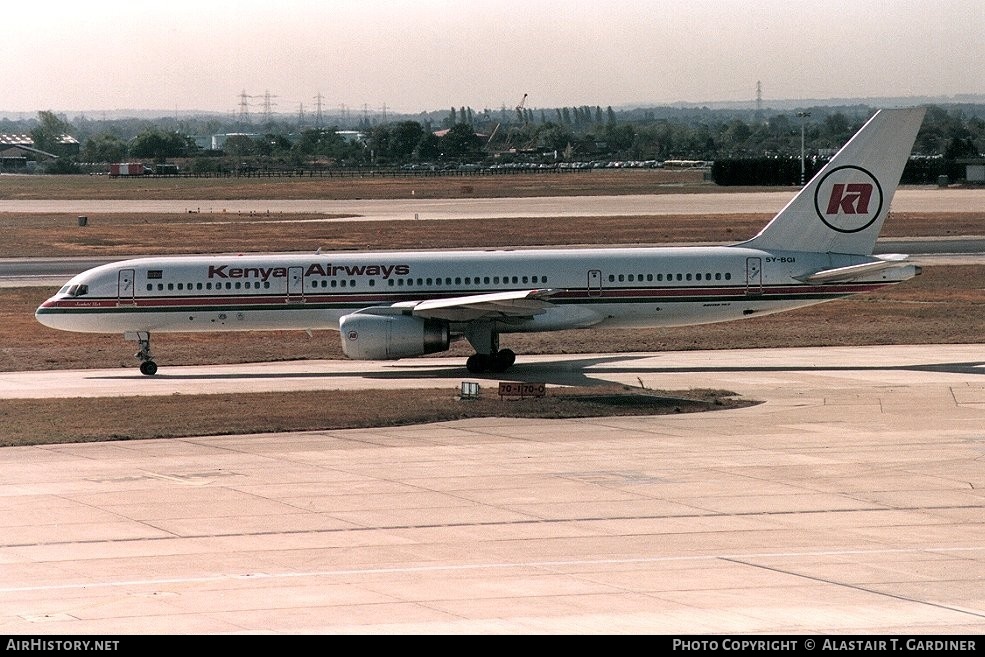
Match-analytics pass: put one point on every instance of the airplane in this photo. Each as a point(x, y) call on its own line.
point(400, 304)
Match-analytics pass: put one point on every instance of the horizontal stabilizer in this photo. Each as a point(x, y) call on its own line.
point(852, 272)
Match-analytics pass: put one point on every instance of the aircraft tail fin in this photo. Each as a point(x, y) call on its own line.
point(843, 207)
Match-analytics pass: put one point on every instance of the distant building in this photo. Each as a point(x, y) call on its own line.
point(22, 146)
point(445, 131)
point(351, 136)
point(219, 141)
point(974, 169)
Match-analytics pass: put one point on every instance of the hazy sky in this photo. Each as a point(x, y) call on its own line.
point(419, 55)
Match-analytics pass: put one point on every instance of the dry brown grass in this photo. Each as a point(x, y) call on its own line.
point(53, 235)
point(595, 181)
point(944, 305)
point(44, 421)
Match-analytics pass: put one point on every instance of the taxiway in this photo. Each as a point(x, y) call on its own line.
point(849, 502)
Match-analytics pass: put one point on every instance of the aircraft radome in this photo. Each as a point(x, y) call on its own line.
point(390, 305)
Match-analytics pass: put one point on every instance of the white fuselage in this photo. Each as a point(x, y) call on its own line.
point(613, 287)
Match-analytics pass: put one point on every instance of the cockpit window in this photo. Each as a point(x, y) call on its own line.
point(76, 290)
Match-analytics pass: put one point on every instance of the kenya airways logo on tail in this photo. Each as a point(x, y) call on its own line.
point(848, 199)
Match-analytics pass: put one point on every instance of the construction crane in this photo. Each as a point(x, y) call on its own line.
point(520, 118)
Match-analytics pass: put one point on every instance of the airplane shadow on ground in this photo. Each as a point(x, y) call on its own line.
point(580, 372)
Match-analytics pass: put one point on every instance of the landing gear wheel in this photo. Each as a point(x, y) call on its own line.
point(142, 338)
point(501, 361)
point(477, 363)
point(506, 357)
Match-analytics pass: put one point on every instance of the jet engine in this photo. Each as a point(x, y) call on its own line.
point(386, 337)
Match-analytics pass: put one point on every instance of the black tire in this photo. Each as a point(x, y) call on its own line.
point(477, 363)
point(507, 357)
point(148, 367)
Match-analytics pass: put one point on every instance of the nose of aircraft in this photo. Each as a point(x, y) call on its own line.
point(48, 315)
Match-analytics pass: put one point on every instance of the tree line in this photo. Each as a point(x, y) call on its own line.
point(463, 135)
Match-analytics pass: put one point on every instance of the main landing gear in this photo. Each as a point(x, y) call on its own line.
point(147, 364)
point(488, 357)
point(497, 362)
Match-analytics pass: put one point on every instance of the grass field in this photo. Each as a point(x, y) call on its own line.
point(575, 182)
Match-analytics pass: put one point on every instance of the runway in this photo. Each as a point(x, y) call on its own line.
point(725, 200)
point(849, 502)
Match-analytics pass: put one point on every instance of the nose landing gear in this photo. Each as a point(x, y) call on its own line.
point(147, 364)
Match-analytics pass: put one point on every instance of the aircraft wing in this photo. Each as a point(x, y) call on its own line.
point(496, 305)
point(852, 272)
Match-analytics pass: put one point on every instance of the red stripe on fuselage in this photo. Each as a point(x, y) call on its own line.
point(593, 296)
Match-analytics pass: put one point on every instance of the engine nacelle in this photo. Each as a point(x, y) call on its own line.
point(388, 337)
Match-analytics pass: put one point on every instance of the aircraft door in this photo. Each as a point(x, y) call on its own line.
point(754, 276)
point(594, 282)
point(295, 283)
point(125, 290)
